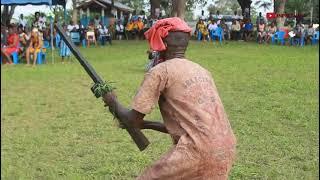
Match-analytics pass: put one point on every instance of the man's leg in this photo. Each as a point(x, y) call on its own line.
point(35, 58)
point(7, 57)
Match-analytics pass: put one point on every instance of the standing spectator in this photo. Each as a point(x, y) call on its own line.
point(22, 21)
point(119, 30)
point(248, 29)
point(218, 17)
point(140, 27)
point(73, 27)
point(235, 30)
point(212, 28)
point(261, 32)
point(104, 35)
point(35, 46)
point(309, 33)
point(235, 16)
point(12, 44)
point(129, 29)
point(272, 29)
point(64, 49)
point(260, 18)
point(225, 28)
point(203, 31)
point(96, 21)
point(43, 18)
point(91, 37)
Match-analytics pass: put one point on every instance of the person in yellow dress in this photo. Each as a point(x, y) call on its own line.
point(203, 30)
point(34, 46)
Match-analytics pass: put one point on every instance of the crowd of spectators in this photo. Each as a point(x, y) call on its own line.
point(29, 41)
point(240, 28)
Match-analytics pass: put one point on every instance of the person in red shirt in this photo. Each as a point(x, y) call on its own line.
point(12, 44)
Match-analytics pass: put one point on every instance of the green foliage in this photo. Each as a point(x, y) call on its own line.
point(52, 126)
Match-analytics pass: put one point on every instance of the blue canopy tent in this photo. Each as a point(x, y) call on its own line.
point(39, 2)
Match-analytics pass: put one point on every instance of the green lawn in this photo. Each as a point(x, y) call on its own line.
point(52, 126)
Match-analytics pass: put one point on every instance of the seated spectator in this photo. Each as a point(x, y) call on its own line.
point(225, 28)
point(140, 28)
point(35, 46)
point(46, 35)
point(298, 32)
point(261, 32)
point(23, 39)
point(235, 30)
point(119, 30)
point(12, 44)
point(104, 35)
point(204, 33)
point(130, 29)
point(272, 29)
point(309, 34)
point(73, 27)
point(91, 37)
point(248, 29)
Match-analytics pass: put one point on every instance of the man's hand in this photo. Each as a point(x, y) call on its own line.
point(109, 98)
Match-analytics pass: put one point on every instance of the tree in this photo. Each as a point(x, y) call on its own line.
point(245, 4)
point(75, 11)
point(135, 4)
point(178, 8)
point(154, 5)
point(264, 4)
point(280, 10)
point(7, 13)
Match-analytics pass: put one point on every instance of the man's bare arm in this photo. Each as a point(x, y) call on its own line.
point(131, 117)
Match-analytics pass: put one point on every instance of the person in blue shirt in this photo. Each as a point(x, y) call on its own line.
point(248, 29)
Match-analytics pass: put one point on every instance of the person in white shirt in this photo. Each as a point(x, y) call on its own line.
point(119, 30)
point(73, 27)
point(104, 34)
point(218, 17)
point(22, 21)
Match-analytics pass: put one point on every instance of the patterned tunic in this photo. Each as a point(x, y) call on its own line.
point(193, 113)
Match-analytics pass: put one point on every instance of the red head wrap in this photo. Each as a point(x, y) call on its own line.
point(161, 29)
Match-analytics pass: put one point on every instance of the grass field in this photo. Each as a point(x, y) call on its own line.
point(52, 127)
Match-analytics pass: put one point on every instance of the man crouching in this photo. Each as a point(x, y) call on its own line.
point(192, 111)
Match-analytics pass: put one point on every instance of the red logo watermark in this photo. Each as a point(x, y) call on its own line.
point(287, 15)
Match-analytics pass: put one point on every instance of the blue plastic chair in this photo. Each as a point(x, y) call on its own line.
point(75, 37)
point(218, 33)
point(15, 57)
point(315, 38)
point(46, 44)
point(279, 37)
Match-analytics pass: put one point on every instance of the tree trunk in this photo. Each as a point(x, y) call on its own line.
point(245, 4)
point(280, 10)
point(74, 11)
point(154, 5)
point(178, 8)
point(174, 10)
point(7, 14)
